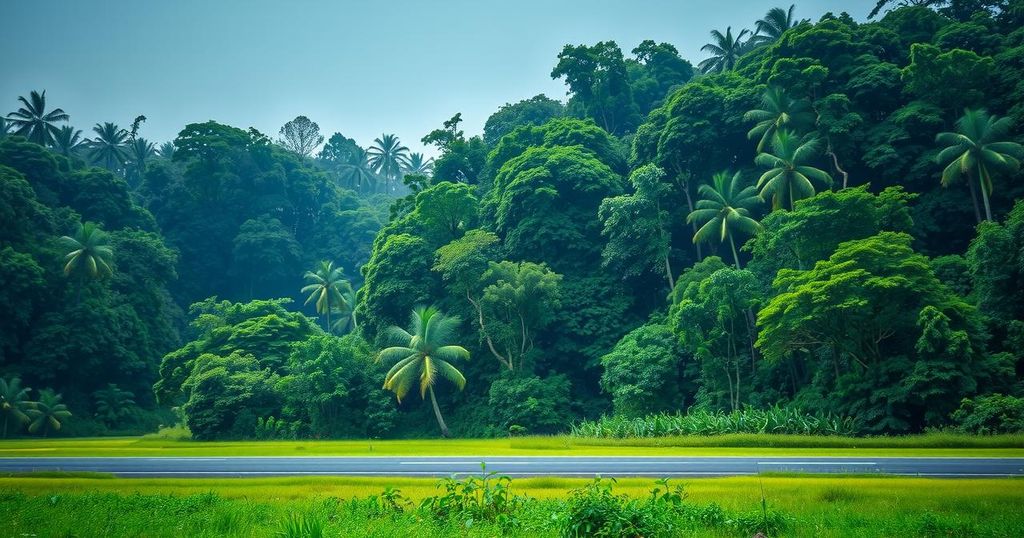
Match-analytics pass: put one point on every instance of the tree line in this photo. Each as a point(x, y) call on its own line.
point(821, 216)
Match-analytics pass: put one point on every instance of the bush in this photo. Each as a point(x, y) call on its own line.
point(538, 406)
point(595, 510)
point(776, 420)
point(989, 415)
point(487, 498)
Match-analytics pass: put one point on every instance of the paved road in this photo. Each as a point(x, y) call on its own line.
point(517, 466)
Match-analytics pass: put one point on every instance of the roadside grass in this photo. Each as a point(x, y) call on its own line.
point(932, 444)
point(812, 506)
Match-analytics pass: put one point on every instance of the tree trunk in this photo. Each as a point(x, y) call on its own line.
point(974, 199)
point(437, 413)
point(984, 179)
point(668, 273)
point(327, 325)
point(735, 256)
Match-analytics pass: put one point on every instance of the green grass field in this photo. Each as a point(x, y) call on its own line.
point(809, 506)
point(725, 445)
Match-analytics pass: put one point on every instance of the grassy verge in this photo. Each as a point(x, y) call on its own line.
point(733, 445)
point(725, 445)
point(810, 506)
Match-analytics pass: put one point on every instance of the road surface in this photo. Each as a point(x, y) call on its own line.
point(517, 466)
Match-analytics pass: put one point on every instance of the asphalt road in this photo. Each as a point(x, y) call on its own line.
point(571, 466)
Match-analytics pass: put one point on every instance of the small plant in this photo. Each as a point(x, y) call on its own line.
point(301, 527)
point(390, 501)
point(485, 498)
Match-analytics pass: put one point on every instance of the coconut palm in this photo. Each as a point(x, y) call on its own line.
point(139, 152)
point(166, 150)
point(419, 165)
point(346, 311)
point(67, 140)
point(724, 211)
point(109, 146)
point(789, 175)
point(33, 121)
point(89, 253)
point(357, 170)
point(388, 157)
point(423, 353)
point(725, 51)
point(325, 287)
point(980, 147)
point(774, 24)
point(14, 402)
point(47, 413)
point(778, 110)
point(5, 127)
point(113, 403)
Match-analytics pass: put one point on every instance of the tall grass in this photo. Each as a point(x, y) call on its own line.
point(775, 420)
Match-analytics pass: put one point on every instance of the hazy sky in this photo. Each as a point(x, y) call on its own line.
point(361, 68)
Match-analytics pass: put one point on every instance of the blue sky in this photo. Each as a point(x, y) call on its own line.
point(361, 68)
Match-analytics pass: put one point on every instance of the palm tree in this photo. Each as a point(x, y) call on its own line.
point(358, 169)
point(774, 24)
point(725, 51)
point(14, 401)
point(778, 111)
point(89, 252)
point(67, 140)
point(724, 211)
point(108, 148)
point(326, 285)
point(113, 403)
point(417, 164)
point(33, 121)
point(5, 127)
point(47, 413)
point(346, 311)
point(388, 157)
point(788, 178)
point(980, 147)
point(139, 152)
point(423, 354)
point(167, 150)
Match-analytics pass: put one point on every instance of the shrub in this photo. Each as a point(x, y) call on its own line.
point(991, 414)
point(485, 498)
point(776, 420)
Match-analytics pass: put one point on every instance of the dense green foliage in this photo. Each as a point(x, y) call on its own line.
point(825, 219)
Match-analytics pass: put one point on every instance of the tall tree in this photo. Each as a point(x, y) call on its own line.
point(166, 150)
point(724, 211)
point(325, 288)
point(109, 146)
point(774, 24)
point(47, 413)
point(725, 50)
point(637, 226)
point(67, 140)
point(981, 146)
point(419, 165)
point(301, 135)
point(598, 80)
point(778, 111)
point(424, 353)
point(14, 402)
point(789, 175)
point(388, 157)
point(33, 121)
point(89, 252)
point(138, 154)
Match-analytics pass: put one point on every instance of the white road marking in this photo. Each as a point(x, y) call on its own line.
point(817, 463)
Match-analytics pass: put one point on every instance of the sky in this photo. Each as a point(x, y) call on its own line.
point(359, 68)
